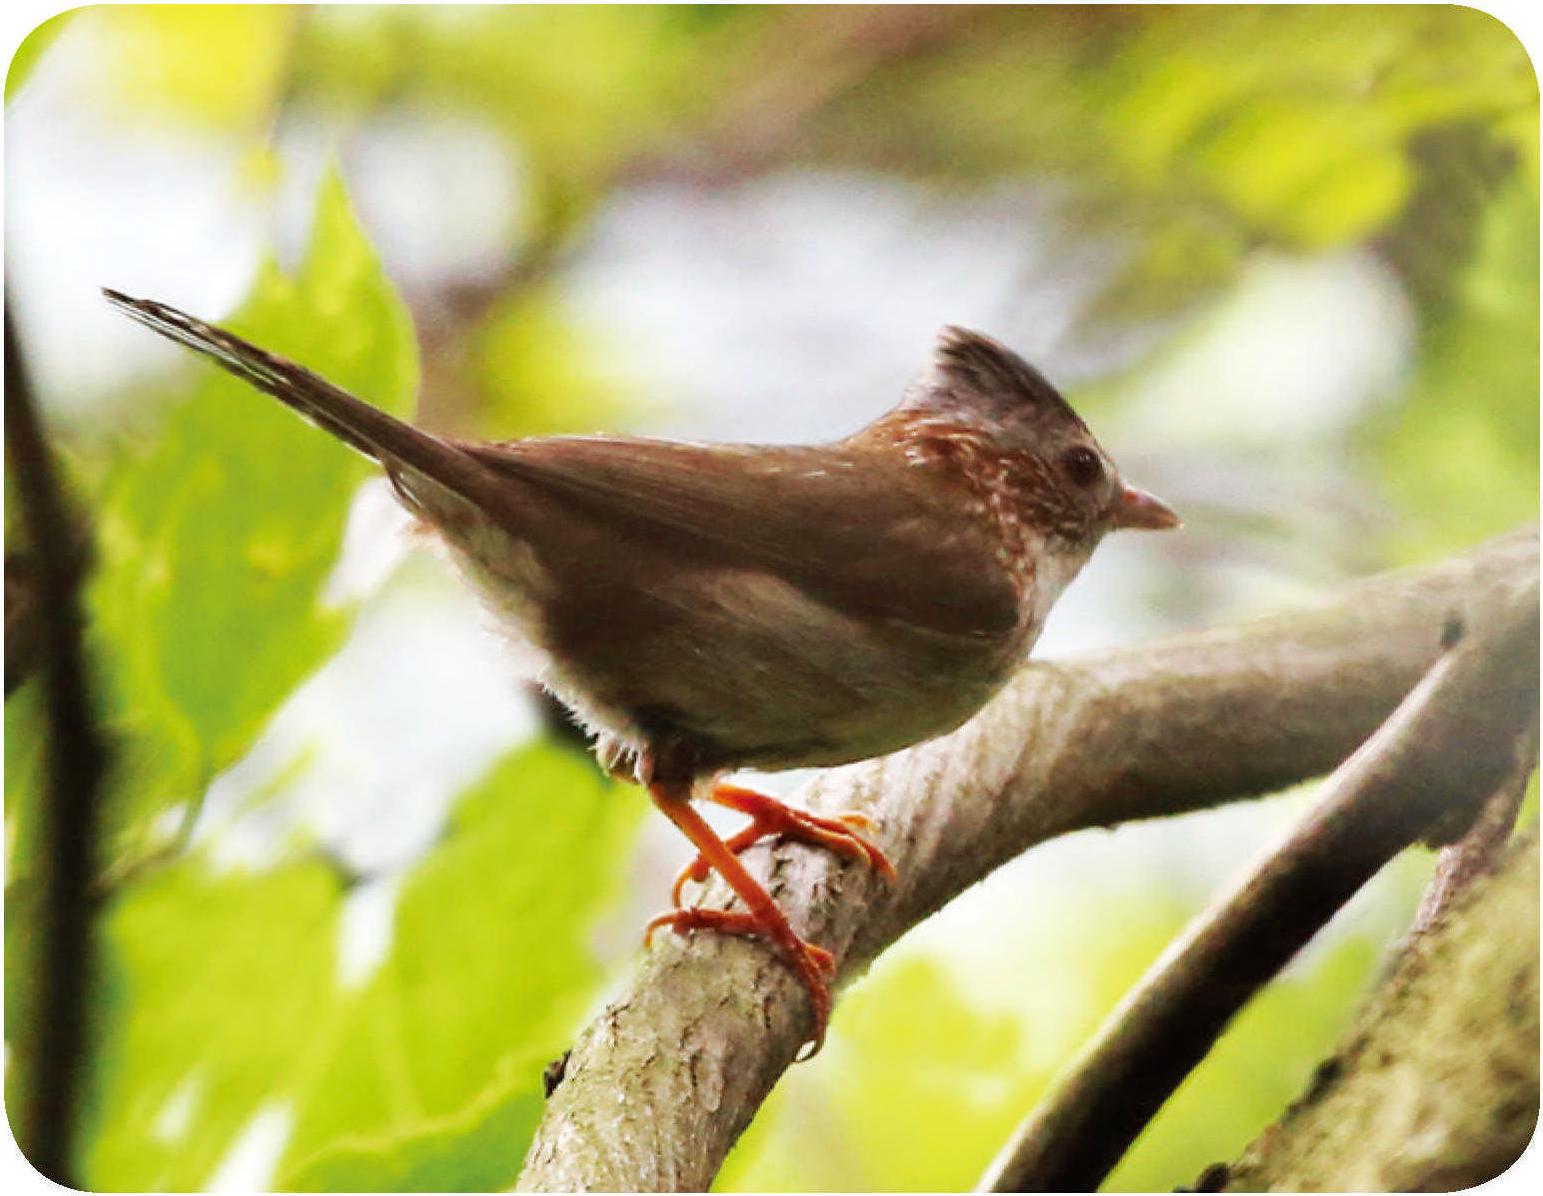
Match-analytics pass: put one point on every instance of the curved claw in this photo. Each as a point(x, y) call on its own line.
point(696, 871)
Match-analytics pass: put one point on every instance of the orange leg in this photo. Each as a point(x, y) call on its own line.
point(771, 817)
point(814, 965)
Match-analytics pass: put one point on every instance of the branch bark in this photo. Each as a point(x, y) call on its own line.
point(661, 1084)
point(1435, 1088)
point(1462, 735)
point(1480, 849)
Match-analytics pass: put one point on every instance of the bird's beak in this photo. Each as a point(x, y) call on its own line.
point(1138, 509)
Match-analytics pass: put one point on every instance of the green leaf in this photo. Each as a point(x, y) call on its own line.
point(214, 544)
point(489, 975)
point(217, 988)
point(425, 1076)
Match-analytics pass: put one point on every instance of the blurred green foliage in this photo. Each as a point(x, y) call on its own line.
point(224, 993)
point(1195, 136)
point(222, 996)
point(919, 1090)
point(1461, 452)
point(30, 51)
point(219, 66)
point(214, 543)
point(1202, 131)
point(1290, 1028)
point(579, 87)
point(922, 1088)
point(540, 369)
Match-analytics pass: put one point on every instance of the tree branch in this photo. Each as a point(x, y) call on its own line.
point(76, 763)
point(1479, 850)
point(1435, 1086)
point(661, 1084)
point(1450, 745)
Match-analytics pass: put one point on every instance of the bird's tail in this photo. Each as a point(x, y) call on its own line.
point(379, 436)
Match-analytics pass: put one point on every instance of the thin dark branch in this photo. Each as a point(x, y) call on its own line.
point(76, 762)
point(1453, 742)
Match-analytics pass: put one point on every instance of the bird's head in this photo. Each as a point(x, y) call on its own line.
point(1077, 491)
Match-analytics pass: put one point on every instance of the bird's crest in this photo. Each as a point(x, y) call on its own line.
point(970, 360)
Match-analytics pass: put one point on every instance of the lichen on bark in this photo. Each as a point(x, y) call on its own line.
point(1436, 1085)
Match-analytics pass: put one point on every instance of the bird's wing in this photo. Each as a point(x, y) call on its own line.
point(857, 535)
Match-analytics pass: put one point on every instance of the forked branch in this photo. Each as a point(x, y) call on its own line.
point(1463, 734)
point(661, 1084)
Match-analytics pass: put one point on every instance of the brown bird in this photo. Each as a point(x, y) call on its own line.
point(704, 608)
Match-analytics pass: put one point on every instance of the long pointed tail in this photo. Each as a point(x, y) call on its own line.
point(379, 436)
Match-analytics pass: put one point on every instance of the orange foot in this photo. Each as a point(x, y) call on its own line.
point(815, 966)
point(771, 817)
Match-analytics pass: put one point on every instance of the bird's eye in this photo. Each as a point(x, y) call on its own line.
point(1082, 465)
